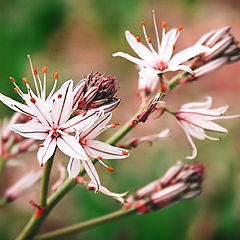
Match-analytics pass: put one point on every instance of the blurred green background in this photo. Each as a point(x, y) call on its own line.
point(76, 37)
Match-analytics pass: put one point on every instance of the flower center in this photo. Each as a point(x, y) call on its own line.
point(160, 66)
point(56, 134)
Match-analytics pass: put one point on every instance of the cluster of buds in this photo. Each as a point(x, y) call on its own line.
point(11, 143)
point(94, 91)
point(180, 182)
point(223, 49)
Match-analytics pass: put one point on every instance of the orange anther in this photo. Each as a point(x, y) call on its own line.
point(12, 79)
point(32, 100)
point(115, 124)
point(84, 113)
point(99, 158)
point(174, 47)
point(59, 95)
point(110, 169)
point(56, 75)
point(164, 24)
point(180, 28)
point(35, 71)
point(16, 90)
point(138, 39)
point(44, 69)
point(25, 80)
point(41, 145)
point(143, 23)
point(149, 40)
point(30, 118)
point(124, 152)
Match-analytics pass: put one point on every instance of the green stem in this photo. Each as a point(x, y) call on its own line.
point(35, 222)
point(45, 181)
point(2, 164)
point(66, 231)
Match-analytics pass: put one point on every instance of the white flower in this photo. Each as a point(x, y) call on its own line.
point(152, 62)
point(95, 149)
point(196, 117)
point(50, 118)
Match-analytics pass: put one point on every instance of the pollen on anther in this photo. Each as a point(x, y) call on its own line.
point(56, 75)
point(180, 28)
point(110, 169)
point(138, 39)
point(164, 24)
point(32, 100)
point(59, 95)
point(99, 158)
point(16, 90)
point(30, 118)
point(143, 23)
point(115, 124)
point(25, 80)
point(149, 40)
point(41, 145)
point(124, 152)
point(44, 69)
point(12, 79)
point(35, 71)
point(174, 47)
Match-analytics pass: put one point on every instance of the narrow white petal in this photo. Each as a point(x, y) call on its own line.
point(92, 173)
point(206, 104)
point(31, 130)
point(186, 54)
point(99, 149)
point(148, 80)
point(130, 58)
point(47, 150)
point(173, 68)
point(73, 167)
point(194, 131)
point(71, 147)
point(63, 100)
point(16, 106)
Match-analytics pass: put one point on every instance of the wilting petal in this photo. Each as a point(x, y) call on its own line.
point(73, 167)
point(16, 106)
point(99, 149)
point(47, 149)
point(186, 54)
point(63, 100)
point(31, 130)
point(70, 146)
point(92, 173)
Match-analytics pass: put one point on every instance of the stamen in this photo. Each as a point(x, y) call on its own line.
point(16, 90)
point(149, 40)
point(44, 70)
point(12, 79)
point(124, 152)
point(115, 124)
point(143, 23)
point(35, 71)
point(34, 78)
point(180, 28)
point(56, 75)
point(44, 82)
point(110, 169)
point(32, 100)
point(99, 158)
point(25, 80)
point(138, 39)
point(164, 24)
point(40, 145)
point(156, 30)
point(59, 95)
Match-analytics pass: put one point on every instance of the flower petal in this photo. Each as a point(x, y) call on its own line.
point(206, 104)
point(186, 54)
point(31, 130)
point(73, 167)
point(47, 149)
point(130, 58)
point(70, 146)
point(96, 149)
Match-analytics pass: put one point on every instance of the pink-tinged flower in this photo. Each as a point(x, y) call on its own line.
point(152, 62)
point(94, 91)
point(196, 117)
point(95, 149)
point(51, 116)
point(105, 191)
point(22, 185)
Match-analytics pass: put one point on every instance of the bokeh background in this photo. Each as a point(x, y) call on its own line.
point(76, 37)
